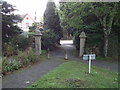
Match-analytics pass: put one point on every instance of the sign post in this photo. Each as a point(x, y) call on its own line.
point(89, 63)
point(89, 57)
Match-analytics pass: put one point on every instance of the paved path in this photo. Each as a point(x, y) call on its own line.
point(32, 73)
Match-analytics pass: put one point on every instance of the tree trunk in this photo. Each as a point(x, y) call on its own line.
point(107, 31)
point(106, 46)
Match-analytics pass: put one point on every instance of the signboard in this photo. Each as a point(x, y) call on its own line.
point(89, 57)
point(86, 56)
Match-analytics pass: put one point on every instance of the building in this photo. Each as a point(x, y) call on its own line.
point(26, 22)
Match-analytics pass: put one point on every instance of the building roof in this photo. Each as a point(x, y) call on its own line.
point(25, 16)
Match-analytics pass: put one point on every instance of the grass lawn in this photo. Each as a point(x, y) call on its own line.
point(74, 74)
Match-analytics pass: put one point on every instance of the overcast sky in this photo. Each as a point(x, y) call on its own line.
point(30, 6)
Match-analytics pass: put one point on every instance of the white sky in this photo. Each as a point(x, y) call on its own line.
point(30, 7)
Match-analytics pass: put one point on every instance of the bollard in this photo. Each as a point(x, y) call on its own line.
point(66, 56)
point(48, 53)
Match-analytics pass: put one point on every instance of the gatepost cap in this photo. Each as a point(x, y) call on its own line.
point(82, 35)
point(38, 32)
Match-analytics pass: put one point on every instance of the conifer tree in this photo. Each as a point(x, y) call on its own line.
point(52, 20)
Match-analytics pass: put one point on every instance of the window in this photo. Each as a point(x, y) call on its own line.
point(27, 24)
point(27, 18)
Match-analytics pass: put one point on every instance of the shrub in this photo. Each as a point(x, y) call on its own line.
point(8, 66)
point(4, 64)
point(17, 43)
point(27, 56)
point(22, 57)
point(49, 39)
point(16, 65)
point(20, 42)
point(32, 56)
point(8, 49)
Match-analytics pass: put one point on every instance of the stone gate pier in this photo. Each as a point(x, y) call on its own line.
point(38, 41)
point(82, 43)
